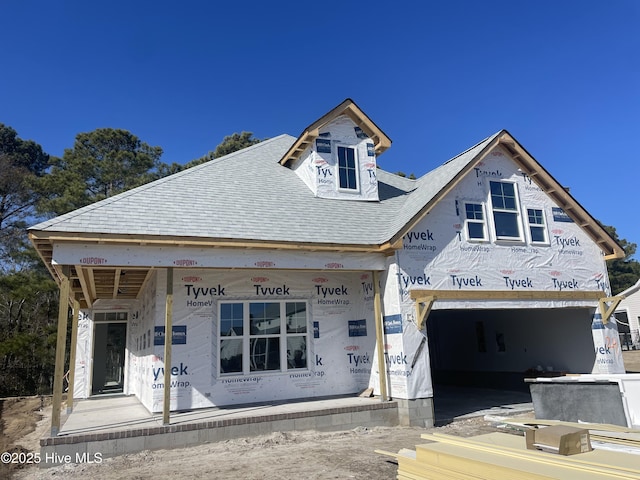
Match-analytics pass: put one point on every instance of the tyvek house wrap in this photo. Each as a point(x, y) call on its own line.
point(339, 350)
point(318, 165)
point(437, 255)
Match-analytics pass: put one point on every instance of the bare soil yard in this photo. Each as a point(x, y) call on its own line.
point(290, 455)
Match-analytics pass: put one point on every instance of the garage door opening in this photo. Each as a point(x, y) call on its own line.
point(497, 349)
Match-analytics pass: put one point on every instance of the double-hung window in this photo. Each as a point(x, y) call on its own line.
point(506, 212)
point(347, 168)
point(260, 337)
point(474, 221)
point(537, 226)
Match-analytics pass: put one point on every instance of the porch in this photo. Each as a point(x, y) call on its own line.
point(113, 425)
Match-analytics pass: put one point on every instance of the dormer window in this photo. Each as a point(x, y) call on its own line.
point(336, 155)
point(347, 168)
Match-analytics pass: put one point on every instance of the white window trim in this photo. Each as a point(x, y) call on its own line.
point(518, 212)
point(466, 221)
point(356, 160)
point(544, 225)
point(246, 337)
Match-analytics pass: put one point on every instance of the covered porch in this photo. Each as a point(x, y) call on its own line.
point(112, 425)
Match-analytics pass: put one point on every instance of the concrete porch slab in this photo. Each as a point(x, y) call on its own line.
point(114, 425)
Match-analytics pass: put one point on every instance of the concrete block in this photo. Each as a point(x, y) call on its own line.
point(106, 448)
point(130, 445)
point(363, 417)
point(282, 425)
point(239, 431)
point(341, 419)
point(159, 441)
point(305, 423)
point(188, 438)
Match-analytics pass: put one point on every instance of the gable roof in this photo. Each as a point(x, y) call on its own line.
point(434, 185)
point(349, 108)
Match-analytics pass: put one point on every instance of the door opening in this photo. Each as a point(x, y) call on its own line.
point(108, 358)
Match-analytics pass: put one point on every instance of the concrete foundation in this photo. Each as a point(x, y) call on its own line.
point(416, 413)
point(334, 415)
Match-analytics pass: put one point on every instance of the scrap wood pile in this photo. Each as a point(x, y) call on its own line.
point(526, 451)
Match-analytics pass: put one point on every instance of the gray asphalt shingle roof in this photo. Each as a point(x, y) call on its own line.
point(248, 195)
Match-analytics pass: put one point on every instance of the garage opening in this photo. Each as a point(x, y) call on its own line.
point(498, 348)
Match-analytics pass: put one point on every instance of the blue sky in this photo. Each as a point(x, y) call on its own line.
point(437, 76)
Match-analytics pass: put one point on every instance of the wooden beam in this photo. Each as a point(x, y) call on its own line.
point(377, 313)
point(61, 343)
point(425, 295)
point(145, 281)
point(168, 325)
point(605, 311)
point(91, 283)
point(75, 312)
point(116, 282)
point(158, 240)
point(422, 312)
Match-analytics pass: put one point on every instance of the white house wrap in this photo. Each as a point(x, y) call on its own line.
point(487, 269)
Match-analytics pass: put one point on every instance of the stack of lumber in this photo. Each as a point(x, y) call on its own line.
point(504, 456)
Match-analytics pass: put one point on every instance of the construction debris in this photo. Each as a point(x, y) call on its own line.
point(504, 456)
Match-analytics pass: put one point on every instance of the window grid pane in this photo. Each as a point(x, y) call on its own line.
point(474, 211)
point(536, 225)
point(347, 168)
point(506, 224)
point(265, 353)
point(503, 196)
point(270, 347)
point(296, 317)
point(535, 216)
point(297, 351)
point(264, 318)
point(474, 214)
point(231, 319)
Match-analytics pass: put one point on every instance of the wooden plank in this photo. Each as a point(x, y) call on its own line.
point(75, 312)
point(116, 282)
point(484, 464)
point(525, 421)
point(425, 295)
point(423, 312)
point(168, 326)
point(608, 464)
point(377, 314)
point(84, 285)
point(61, 343)
point(607, 311)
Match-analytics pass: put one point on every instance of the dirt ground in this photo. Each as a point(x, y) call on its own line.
point(277, 456)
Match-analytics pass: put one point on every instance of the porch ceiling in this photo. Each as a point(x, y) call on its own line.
point(91, 283)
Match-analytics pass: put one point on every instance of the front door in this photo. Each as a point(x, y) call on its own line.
point(108, 358)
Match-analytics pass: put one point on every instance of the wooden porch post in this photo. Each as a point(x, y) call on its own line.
point(168, 323)
point(377, 313)
point(72, 356)
point(61, 343)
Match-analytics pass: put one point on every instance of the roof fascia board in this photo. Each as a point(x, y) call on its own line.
point(75, 237)
point(349, 108)
point(559, 194)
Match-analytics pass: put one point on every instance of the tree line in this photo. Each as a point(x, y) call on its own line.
point(35, 186)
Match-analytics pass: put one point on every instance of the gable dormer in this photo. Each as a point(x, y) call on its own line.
point(336, 155)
